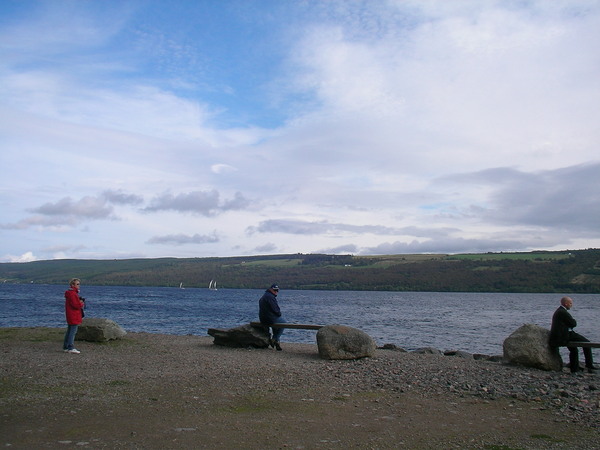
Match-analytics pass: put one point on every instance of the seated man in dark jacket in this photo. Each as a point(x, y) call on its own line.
point(269, 313)
point(562, 332)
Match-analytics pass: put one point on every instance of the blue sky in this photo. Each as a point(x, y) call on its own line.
point(219, 128)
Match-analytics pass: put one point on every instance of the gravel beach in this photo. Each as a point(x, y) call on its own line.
point(163, 391)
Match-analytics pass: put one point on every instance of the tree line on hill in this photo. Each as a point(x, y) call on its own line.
point(573, 271)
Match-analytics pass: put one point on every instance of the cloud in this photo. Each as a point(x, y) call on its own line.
point(340, 250)
point(350, 126)
point(553, 199)
point(315, 227)
point(86, 208)
point(222, 168)
point(121, 198)
point(454, 245)
point(55, 222)
point(443, 89)
point(64, 213)
point(25, 257)
point(68, 212)
point(237, 203)
point(182, 239)
point(206, 203)
point(62, 251)
point(562, 198)
point(304, 227)
point(266, 248)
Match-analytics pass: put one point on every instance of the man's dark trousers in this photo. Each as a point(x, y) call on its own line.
point(574, 352)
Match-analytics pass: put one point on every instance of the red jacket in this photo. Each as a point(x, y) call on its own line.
point(73, 307)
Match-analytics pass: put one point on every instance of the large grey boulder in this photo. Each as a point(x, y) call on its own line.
point(99, 330)
point(242, 336)
point(528, 346)
point(342, 342)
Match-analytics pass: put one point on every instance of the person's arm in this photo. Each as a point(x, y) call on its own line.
point(274, 306)
point(568, 320)
point(73, 301)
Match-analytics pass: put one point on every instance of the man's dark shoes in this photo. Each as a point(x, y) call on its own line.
point(277, 346)
point(592, 370)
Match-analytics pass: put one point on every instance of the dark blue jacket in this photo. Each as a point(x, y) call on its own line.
point(268, 308)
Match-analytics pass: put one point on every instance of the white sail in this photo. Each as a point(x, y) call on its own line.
point(181, 285)
point(212, 285)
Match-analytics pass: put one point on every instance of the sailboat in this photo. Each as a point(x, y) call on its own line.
point(212, 285)
point(181, 285)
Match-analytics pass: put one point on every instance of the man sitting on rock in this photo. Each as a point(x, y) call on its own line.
point(562, 332)
point(269, 313)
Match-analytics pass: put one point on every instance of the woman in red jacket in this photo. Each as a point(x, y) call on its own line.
point(74, 311)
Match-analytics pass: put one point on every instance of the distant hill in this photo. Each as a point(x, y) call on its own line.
point(562, 271)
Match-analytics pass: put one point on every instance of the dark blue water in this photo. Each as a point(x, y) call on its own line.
point(472, 322)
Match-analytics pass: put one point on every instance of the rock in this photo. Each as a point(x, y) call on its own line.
point(528, 346)
point(342, 342)
point(242, 336)
point(489, 358)
point(428, 351)
point(99, 330)
point(459, 354)
point(392, 347)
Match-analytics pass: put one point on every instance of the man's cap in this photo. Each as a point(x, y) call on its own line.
point(274, 287)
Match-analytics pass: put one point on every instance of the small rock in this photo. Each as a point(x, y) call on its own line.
point(428, 351)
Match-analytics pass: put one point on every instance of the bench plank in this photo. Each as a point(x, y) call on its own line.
point(298, 326)
point(583, 344)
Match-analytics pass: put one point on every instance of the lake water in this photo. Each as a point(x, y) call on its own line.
point(473, 322)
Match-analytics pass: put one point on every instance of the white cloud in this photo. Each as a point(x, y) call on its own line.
point(182, 239)
point(207, 203)
point(25, 257)
point(222, 168)
point(350, 126)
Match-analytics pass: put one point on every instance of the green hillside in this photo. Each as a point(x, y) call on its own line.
point(565, 271)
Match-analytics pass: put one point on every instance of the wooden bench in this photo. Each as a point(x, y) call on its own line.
point(583, 344)
point(298, 326)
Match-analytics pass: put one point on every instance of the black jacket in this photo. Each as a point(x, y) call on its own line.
point(562, 323)
point(268, 308)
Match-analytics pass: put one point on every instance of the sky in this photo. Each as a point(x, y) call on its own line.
point(142, 129)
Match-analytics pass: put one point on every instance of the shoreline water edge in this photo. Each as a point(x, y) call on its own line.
point(473, 322)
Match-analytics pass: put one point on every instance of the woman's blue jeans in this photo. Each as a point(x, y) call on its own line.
point(69, 343)
point(277, 332)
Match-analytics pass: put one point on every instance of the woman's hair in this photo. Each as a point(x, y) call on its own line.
point(73, 281)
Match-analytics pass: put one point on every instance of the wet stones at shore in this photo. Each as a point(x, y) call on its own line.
point(573, 398)
point(455, 353)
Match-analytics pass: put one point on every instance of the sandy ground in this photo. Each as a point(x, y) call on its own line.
point(170, 392)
